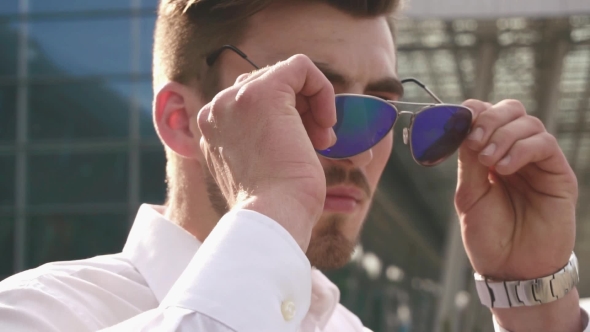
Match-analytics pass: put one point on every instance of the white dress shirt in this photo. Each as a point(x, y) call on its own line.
point(249, 275)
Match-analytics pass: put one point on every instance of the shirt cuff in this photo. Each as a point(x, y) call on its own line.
point(249, 274)
point(498, 328)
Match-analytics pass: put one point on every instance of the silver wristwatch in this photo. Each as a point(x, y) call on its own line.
point(508, 294)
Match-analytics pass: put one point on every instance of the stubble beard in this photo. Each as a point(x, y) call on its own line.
point(329, 248)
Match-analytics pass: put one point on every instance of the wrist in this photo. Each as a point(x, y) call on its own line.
point(292, 215)
point(561, 315)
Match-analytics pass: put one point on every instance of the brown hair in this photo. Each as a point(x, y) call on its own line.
point(188, 30)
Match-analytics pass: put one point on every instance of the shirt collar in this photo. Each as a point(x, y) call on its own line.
point(161, 250)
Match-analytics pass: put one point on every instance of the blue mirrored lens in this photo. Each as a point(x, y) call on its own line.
point(362, 122)
point(437, 133)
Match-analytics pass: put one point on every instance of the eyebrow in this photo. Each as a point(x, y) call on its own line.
point(389, 84)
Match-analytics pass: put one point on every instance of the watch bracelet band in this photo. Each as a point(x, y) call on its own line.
point(509, 294)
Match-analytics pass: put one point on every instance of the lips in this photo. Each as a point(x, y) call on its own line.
point(343, 199)
point(346, 192)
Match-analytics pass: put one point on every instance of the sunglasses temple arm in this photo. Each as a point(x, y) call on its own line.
point(423, 86)
point(213, 56)
point(252, 63)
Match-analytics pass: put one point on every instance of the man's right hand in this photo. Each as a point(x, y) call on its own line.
point(258, 138)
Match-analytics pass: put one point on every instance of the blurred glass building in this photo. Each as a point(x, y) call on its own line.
point(78, 152)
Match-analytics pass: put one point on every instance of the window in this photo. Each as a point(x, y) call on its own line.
point(78, 5)
point(153, 176)
point(8, 48)
point(8, 7)
point(146, 43)
point(7, 113)
point(79, 110)
point(7, 181)
point(69, 178)
point(80, 47)
point(6, 246)
point(146, 96)
point(59, 237)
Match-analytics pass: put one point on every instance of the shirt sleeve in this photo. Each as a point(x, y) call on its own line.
point(248, 275)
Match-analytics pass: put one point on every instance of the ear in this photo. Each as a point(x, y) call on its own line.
point(174, 106)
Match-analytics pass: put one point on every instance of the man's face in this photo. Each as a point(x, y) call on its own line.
point(354, 53)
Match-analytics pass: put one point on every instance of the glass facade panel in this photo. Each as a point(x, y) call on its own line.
point(8, 7)
point(8, 48)
point(78, 5)
point(7, 113)
point(7, 164)
point(146, 96)
point(59, 237)
point(81, 110)
point(146, 43)
point(68, 178)
point(77, 47)
point(6, 246)
point(149, 3)
point(153, 177)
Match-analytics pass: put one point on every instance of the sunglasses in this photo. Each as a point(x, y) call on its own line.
point(435, 132)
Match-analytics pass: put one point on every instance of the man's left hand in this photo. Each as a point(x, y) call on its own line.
point(516, 195)
point(516, 200)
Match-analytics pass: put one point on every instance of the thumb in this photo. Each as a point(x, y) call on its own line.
point(473, 177)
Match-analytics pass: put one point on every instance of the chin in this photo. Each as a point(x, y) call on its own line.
point(329, 247)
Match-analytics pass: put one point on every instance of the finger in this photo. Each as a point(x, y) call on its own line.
point(321, 138)
point(491, 119)
point(242, 78)
point(477, 106)
point(472, 175)
point(300, 75)
point(314, 95)
point(503, 138)
point(249, 77)
point(541, 149)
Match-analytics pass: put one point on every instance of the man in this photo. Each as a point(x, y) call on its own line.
point(250, 195)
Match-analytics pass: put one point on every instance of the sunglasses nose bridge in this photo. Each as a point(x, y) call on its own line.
point(406, 132)
point(406, 136)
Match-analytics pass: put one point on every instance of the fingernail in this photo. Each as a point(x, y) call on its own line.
point(476, 135)
point(489, 150)
point(334, 138)
point(504, 161)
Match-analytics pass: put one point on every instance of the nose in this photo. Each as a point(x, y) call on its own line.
point(362, 159)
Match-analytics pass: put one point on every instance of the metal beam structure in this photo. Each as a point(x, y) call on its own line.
point(22, 110)
point(549, 65)
point(486, 9)
point(134, 168)
point(457, 267)
point(402, 222)
point(581, 127)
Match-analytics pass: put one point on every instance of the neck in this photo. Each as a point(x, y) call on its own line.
point(188, 203)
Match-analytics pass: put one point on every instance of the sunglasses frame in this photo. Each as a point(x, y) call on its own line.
point(407, 133)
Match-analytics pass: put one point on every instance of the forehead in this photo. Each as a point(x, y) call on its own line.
point(361, 49)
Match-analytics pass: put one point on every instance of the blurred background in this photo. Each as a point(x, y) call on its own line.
point(78, 152)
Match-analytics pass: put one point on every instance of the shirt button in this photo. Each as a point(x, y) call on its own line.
point(288, 310)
